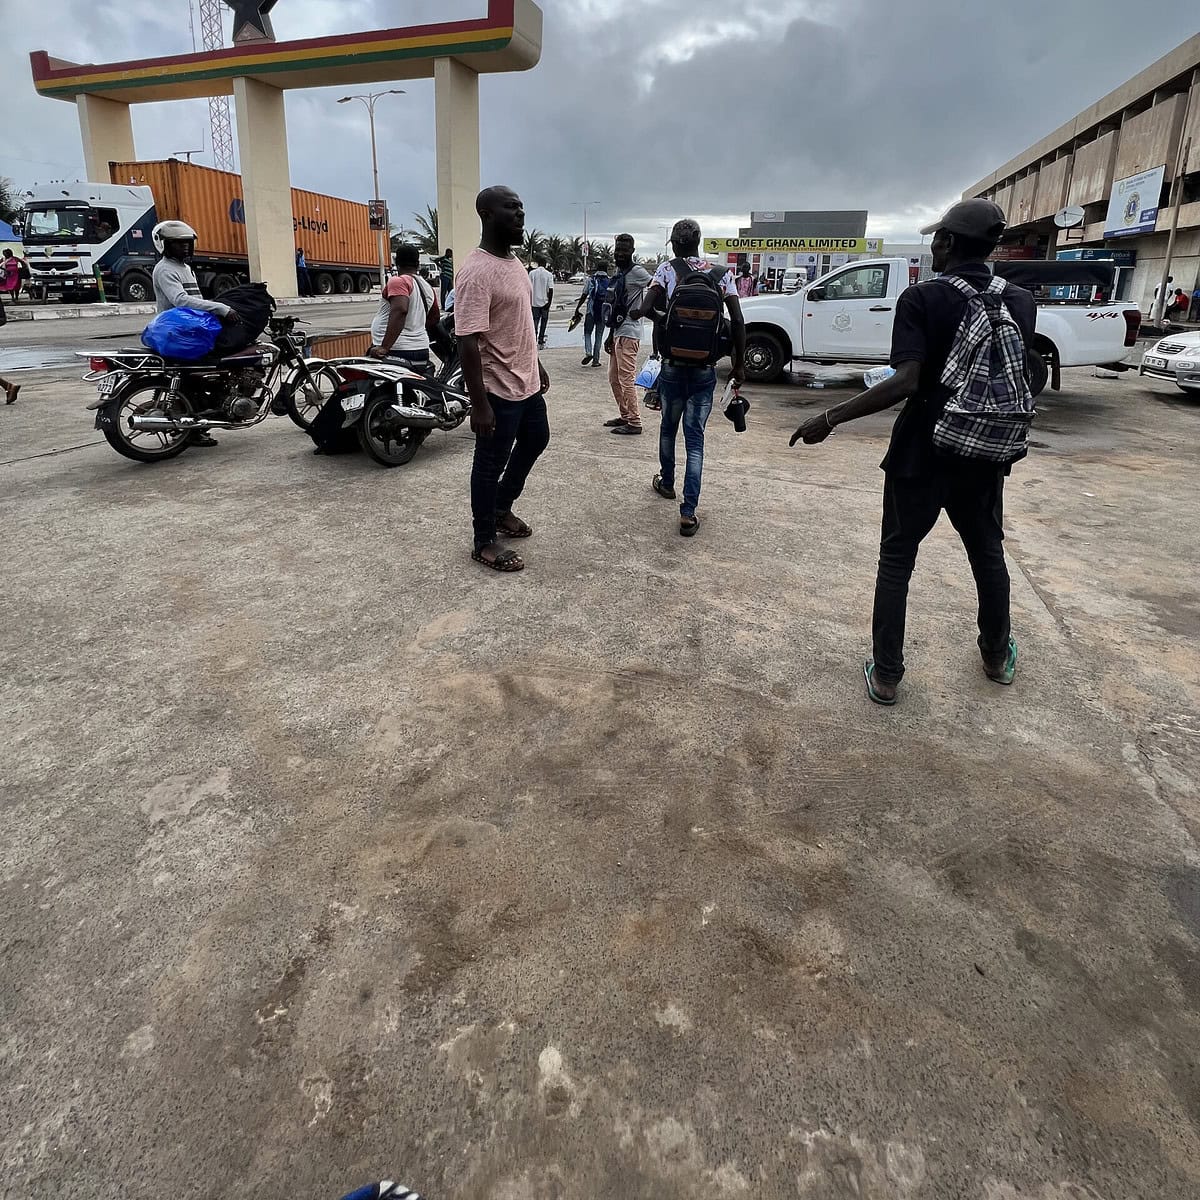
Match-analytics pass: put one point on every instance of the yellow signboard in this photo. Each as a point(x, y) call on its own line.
point(792, 245)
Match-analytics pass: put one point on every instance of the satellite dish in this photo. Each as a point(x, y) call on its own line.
point(1068, 217)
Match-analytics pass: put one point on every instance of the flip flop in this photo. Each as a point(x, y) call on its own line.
point(868, 671)
point(1007, 672)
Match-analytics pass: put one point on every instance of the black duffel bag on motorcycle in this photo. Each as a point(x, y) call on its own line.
point(255, 305)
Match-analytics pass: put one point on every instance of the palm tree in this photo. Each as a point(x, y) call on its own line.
point(575, 255)
point(535, 243)
point(602, 254)
point(556, 251)
point(426, 233)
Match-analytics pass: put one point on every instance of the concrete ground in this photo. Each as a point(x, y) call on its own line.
point(330, 856)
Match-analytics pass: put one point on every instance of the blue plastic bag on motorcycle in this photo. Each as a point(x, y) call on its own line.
point(185, 333)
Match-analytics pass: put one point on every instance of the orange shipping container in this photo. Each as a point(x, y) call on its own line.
point(333, 232)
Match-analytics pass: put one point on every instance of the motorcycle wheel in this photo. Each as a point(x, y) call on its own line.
point(142, 447)
point(304, 398)
point(388, 442)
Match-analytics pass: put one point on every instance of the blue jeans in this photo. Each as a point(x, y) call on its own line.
point(687, 396)
point(593, 324)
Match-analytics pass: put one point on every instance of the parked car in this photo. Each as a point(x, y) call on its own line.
point(1176, 358)
point(846, 317)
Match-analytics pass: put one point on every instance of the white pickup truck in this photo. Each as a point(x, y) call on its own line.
point(846, 316)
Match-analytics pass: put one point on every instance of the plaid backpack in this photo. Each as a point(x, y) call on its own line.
point(990, 407)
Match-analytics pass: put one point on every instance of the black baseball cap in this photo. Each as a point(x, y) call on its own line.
point(981, 219)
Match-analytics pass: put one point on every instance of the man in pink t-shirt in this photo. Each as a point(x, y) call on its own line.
point(493, 321)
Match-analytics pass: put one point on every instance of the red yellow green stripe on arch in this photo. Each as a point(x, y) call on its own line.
point(491, 33)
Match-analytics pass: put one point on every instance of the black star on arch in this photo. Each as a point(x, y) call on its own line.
point(251, 15)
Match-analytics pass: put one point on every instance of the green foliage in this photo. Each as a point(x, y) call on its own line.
point(10, 204)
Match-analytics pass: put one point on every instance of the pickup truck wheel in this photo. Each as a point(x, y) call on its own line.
point(764, 357)
point(1039, 374)
point(136, 288)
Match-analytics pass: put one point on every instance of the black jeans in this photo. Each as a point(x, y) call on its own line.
point(503, 460)
point(540, 317)
point(974, 502)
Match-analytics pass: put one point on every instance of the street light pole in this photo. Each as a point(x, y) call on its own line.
point(587, 255)
point(369, 101)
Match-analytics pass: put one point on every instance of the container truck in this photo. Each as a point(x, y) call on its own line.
point(77, 235)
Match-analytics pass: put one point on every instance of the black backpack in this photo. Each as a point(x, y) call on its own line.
point(255, 305)
point(691, 332)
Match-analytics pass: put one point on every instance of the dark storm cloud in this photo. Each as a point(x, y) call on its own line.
point(660, 108)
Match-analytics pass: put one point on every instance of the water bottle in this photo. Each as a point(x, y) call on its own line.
point(878, 375)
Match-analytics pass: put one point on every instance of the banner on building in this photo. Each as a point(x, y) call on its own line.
point(793, 245)
point(1133, 204)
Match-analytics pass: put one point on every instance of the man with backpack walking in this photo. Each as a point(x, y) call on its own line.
point(694, 294)
point(960, 355)
point(594, 295)
point(625, 335)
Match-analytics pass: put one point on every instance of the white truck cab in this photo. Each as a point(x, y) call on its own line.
point(73, 232)
point(847, 316)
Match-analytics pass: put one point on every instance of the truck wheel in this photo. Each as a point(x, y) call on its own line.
point(222, 284)
point(764, 357)
point(345, 283)
point(137, 287)
point(323, 284)
point(363, 283)
point(1039, 374)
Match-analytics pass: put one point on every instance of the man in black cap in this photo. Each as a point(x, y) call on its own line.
point(920, 481)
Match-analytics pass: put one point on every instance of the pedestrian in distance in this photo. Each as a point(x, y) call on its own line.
point(445, 266)
point(1194, 307)
point(303, 279)
point(1154, 302)
point(505, 380)
point(175, 284)
point(407, 310)
point(624, 340)
point(541, 284)
point(10, 281)
point(592, 302)
point(10, 389)
point(693, 294)
point(960, 347)
point(747, 285)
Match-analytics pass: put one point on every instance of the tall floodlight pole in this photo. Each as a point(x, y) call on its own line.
point(219, 119)
point(587, 252)
point(369, 101)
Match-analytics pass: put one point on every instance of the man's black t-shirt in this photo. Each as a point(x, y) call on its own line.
point(927, 318)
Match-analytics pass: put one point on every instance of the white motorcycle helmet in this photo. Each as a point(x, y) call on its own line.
point(171, 231)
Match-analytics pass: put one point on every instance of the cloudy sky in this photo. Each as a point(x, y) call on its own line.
point(656, 108)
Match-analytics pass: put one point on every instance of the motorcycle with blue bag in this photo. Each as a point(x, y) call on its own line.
point(151, 403)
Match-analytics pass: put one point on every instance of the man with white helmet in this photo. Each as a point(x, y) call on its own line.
point(175, 284)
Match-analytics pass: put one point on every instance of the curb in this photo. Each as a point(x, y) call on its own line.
point(72, 312)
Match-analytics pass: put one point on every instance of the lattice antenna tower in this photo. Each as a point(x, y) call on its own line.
point(213, 36)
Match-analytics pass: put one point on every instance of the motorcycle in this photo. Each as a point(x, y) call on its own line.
point(394, 408)
point(149, 407)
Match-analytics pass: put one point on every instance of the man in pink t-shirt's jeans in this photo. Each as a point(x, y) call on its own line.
point(493, 321)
